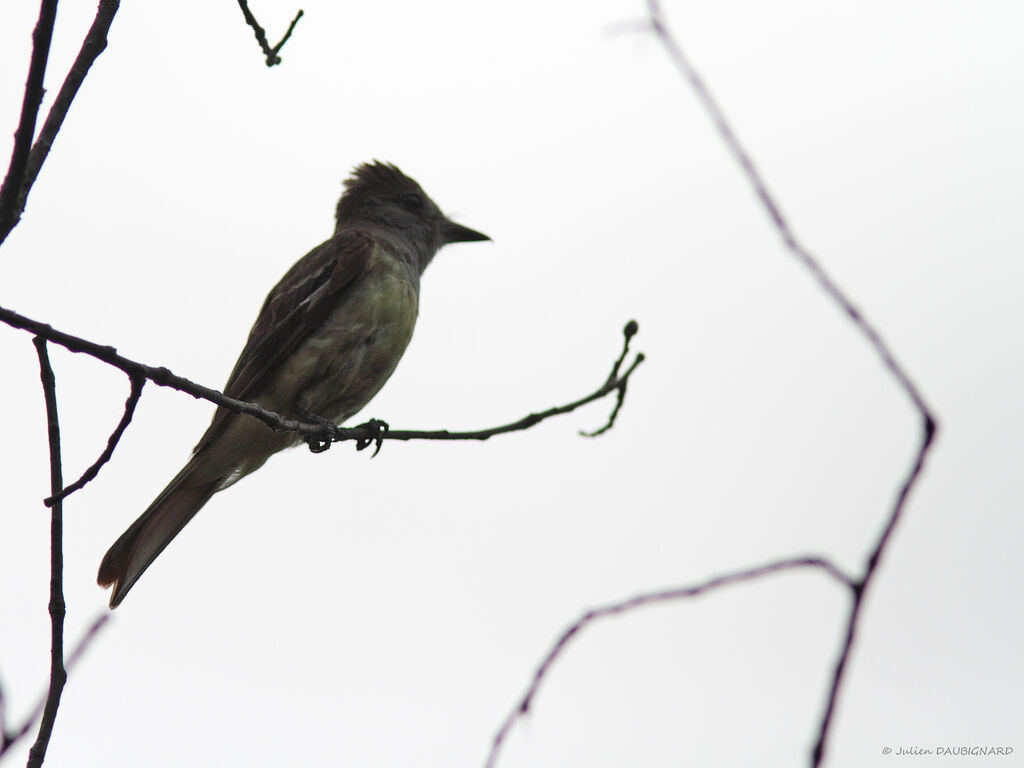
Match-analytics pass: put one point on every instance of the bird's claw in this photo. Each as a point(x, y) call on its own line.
point(316, 443)
point(379, 428)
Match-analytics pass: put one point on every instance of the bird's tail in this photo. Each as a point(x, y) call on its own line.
point(147, 537)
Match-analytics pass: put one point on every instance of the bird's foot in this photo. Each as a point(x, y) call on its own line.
point(319, 443)
point(378, 429)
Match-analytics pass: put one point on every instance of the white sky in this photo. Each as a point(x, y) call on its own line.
point(332, 610)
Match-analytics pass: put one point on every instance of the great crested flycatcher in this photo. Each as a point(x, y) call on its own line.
point(328, 337)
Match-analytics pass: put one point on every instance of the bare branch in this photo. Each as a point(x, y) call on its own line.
point(287, 34)
point(112, 441)
point(94, 44)
point(818, 753)
point(160, 376)
point(522, 707)
point(629, 331)
point(9, 738)
point(41, 37)
point(860, 322)
point(614, 383)
point(742, 158)
point(319, 435)
point(261, 35)
point(58, 675)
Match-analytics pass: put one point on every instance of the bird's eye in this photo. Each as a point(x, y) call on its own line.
point(412, 202)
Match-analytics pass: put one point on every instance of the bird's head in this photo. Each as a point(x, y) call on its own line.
point(381, 196)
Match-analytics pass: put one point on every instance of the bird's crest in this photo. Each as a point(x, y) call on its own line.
point(373, 180)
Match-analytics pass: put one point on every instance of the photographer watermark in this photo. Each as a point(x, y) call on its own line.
point(945, 751)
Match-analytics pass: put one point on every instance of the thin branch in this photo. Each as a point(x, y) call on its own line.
point(112, 441)
point(756, 180)
point(161, 376)
point(261, 35)
point(522, 707)
point(818, 753)
point(324, 433)
point(41, 37)
point(629, 332)
point(58, 675)
point(9, 738)
point(865, 327)
point(94, 44)
point(614, 383)
point(287, 34)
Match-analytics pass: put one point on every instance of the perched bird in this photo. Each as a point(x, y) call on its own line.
point(327, 338)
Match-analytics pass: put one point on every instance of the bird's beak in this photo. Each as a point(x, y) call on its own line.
point(456, 233)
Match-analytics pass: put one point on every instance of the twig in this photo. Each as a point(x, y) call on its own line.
point(94, 44)
point(58, 675)
point(112, 441)
point(9, 738)
point(364, 434)
point(522, 707)
point(287, 34)
point(742, 157)
point(612, 384)
point(860, 322)
point(261, 35)
point(161, 376)
point(629, 331)
point(41, 37)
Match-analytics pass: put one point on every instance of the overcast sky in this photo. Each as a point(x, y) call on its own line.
point(338, 610)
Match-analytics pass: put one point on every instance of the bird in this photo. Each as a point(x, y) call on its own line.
point(327, 338)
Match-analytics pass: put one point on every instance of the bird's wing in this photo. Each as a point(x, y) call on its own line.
point(296, 306)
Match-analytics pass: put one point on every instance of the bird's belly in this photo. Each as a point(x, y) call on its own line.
point(343, 364)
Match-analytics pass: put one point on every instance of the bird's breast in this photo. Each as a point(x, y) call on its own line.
point(343, 363)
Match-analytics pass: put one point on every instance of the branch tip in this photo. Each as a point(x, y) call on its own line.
point(269, 52)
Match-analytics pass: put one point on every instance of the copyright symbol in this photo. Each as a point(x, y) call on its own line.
point(886, 750)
